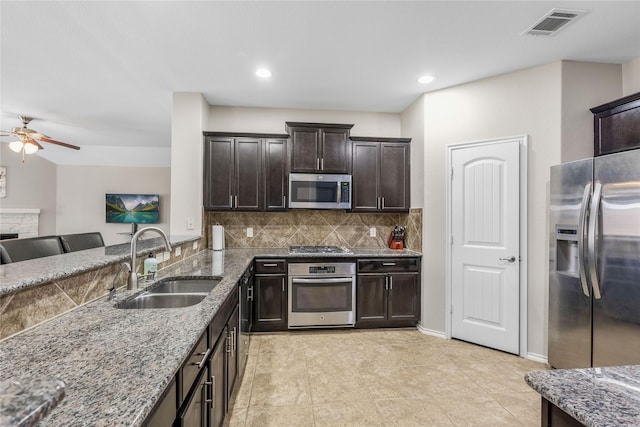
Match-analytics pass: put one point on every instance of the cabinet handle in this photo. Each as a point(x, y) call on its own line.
point(386, 283)
point(283, 284)
point(231, 202)
point(228, 342)
point(322, 164)
point(388, 263)
point(390, 283)
point(234, 338)
point(212, 384)
point(205, 356)
point(284, 201)
point(269, 265)
point(236, 197)
point(382, 204)
point(250, 293)
point(378, 203)
point(318, 163)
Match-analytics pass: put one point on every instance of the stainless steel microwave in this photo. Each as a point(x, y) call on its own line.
point(319, 191)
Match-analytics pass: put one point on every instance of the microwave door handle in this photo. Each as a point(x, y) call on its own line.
point(582, 229)
point(591, 239)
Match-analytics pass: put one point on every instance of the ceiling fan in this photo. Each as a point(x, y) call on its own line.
point(29, 140)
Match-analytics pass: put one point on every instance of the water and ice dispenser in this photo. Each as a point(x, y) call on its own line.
point(567, 250)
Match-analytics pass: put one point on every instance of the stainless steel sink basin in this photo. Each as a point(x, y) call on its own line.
point(184, 286)
point(166, 300)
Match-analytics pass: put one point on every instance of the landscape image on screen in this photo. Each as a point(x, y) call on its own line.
point(133, 208)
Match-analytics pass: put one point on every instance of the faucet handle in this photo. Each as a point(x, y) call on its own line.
point(127, 266)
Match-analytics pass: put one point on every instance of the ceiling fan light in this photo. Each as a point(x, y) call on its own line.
point(16, 146)
point(30, 148)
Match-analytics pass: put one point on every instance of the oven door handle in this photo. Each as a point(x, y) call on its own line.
point(324, 280)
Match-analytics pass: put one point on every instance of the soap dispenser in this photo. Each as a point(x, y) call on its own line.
point(150, 267)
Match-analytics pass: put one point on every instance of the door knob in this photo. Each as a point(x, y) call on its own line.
point(508, 259)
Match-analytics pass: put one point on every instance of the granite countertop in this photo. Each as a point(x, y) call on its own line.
point(25, 274)
point(594, 396)
point(25, 402)
point(116, 363)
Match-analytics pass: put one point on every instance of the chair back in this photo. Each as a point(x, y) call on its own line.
point(81, 241)
point(14, 250)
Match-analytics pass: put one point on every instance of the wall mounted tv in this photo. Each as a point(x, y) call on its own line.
point(132, 208)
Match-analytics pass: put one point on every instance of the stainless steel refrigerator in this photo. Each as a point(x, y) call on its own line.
point(594, 265)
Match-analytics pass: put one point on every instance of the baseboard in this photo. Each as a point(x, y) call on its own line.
point(536, 357)
point(433, 333)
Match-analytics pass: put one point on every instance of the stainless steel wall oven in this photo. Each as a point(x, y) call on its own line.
point(322, 294)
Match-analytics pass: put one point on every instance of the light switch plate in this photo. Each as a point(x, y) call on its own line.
point(249, 231)
point(178, 251)
point(373, 232)
point(190, 225)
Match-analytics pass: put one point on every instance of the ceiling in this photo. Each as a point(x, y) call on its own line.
point(100, 74)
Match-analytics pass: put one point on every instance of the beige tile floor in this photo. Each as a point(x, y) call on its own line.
point(381, 378)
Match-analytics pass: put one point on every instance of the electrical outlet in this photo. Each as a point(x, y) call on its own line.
point(178, 250)
point(160, 257)
point(195, 246)
point(249, 231)
point(167, 256)
point(373, 232)
point(190, 225)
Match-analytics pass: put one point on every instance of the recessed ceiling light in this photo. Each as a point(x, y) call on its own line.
point(263, 73)
point(426, 79)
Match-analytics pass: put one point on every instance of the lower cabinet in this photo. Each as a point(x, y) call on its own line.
point(552, 416)
point(388, 292)
point(270, 296)
point(164, 413)
point(217, 396)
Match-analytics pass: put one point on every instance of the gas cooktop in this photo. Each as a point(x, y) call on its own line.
point(318, 250)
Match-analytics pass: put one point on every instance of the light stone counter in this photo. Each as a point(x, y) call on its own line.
point(116, 363)
point(593, 396)
point(25, 402)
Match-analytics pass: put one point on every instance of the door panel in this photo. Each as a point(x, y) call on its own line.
point(304, 149)
point(270, 303)
point(403, 296)
point(371, 298)
point(485, 228)
point(365, 176)
point(336, 156)
point(218, 173)
point(248, 168)
point(275, 173)
point(394, 177)
point(616, 317)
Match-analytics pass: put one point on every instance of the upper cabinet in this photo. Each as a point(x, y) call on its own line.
point(319, 147)
point(381, 178)
point(234, 171)
point(616, 125)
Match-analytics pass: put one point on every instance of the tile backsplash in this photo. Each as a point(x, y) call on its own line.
point(314, 227)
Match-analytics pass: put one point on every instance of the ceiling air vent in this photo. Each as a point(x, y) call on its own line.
point(553, 22)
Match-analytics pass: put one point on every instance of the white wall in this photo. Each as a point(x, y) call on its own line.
point(412, 123)
point(631, 77)
point(272, 120)
point(523, 102)
point(585, 85)
point(189, 116)
point(81, 197)
point(31, 185)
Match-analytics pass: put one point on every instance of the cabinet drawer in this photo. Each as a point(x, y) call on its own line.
point(271, 266)
point(191, 367)
point(388, 265)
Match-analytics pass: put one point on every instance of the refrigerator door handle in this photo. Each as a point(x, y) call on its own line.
point(582, 230)
point(591, 238)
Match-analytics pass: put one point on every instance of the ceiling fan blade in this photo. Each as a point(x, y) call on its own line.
point(63, 144)
point(34, 142)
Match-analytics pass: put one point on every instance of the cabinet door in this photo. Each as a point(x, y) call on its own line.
point(232, 352)
point(404, 297)
point(305, 145)
point(270, 302)
point(335, 153)
point(275, 171)
point(371, 300)
point(394, 177)
point(194, 413)
point(366, 175)
point(218, 173)
point(217, 389)
point(248, 173)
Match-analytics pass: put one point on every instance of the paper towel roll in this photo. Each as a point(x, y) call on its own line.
point(217, 237)
point(218, 263)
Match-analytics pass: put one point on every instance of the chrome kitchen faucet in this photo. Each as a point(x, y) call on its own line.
point(132, 282)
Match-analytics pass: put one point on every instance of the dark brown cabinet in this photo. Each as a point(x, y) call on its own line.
point(270, 296)
point(381, 174)
point(319, 147)
point(616, 125)
point(275, 174)
point(388, 292)
point(552, 416)
point(164, 413)
point(232, 173)
point(217, 394)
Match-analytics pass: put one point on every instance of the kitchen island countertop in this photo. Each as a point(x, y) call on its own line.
point(608, 396)
point(116, 363)
point(25, 402)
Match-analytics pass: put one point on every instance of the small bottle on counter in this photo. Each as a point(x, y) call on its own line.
point(150, 267)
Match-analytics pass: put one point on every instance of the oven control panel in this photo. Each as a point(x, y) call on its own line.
point(322, 269)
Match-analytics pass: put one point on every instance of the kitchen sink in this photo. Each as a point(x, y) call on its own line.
point(184, 286)
point(167, 300)
point(173, 293)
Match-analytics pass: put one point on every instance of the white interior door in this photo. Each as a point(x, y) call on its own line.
point(485, 227)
